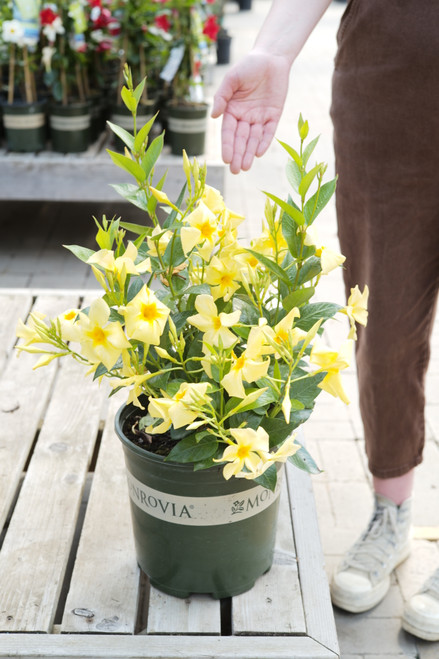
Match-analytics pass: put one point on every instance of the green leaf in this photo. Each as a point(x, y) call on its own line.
point(310, 269)
point(100, 370)
point(277, 429)
point(133, 194)
point(124, 135)
point(115, 316)
point(173, 214)
point(143, 133)
point(292, 152)
point(307, 390)
point(303, 460)
point(308, 179)
point(136, 285)
point(128, 99)
point(291, 210)
point(311, 313)
point(272, 266)
point(82, 253)
point(137, 93)
point(309, 149)
point(139, 229)
point(268, 479)
point(152, 154)
point(298, 298)
point(191, 450)
point(174, 254)
point(294, 175)
point(318, 201)
point(198, 289)
point(128, 165)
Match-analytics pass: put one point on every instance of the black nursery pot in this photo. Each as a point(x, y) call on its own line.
point(187, 127)
point(194, 531)
point(25, 126)
point(70, 127)
point(223, 47)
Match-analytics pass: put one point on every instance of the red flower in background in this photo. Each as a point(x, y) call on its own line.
point(162, 22)
point(47, 16)
point(211, 28)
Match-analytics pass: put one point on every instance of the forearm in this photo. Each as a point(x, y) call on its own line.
point(288, 25)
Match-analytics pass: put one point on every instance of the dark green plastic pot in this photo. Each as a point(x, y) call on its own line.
point(25, 126)
point(194, 531)
point(70, 127)
point(121, 116)
point(187, 127)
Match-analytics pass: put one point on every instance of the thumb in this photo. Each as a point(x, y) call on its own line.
point(222, 97)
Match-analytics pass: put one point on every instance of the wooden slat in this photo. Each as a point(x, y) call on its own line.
point(23, 397)
point(198, 614)
point(315, 590)
point(36, 547)
point(274, 604)
point(11, 309)
point(104, 586)
point(78, 646)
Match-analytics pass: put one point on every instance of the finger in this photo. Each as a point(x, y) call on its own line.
point(267, 137)
point(239, 148)
point(256, 132)
point(228, 129)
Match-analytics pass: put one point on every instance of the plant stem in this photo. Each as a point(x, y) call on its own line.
point(27, 77)
point(11, 74)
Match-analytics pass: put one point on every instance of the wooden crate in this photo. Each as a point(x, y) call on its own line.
point(69, 582)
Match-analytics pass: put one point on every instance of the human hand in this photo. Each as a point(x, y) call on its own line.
point(251, 97)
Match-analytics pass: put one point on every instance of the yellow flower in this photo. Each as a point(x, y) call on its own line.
point(180, 410)
point(135, 381)
point(162, 197)
point(282, 334)
point(122, 265)
point(69, 328)
point(223, 277)
point(269, 244)
point(248, 367)
point(202, 230)
point(145, 317)
point(101, 341)
point(329, 259)
point(288, 448)
point(356, 309)
point(159, 409)
point(250, 451)
point(212, 198)
point(332, 362)
point(213, 325)
point(29, 332)
point(159, 246)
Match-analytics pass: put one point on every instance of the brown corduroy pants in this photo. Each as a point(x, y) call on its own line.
point(385, 110)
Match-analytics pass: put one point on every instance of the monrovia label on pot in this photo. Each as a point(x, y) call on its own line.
point(201, 511)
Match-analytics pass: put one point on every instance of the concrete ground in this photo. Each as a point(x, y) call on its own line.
point(31, 256)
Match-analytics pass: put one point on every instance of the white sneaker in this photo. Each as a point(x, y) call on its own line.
point(421, 613)
point(363, 577)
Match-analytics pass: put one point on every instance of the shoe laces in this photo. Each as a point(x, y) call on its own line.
point(372, 551)
point(432, 584)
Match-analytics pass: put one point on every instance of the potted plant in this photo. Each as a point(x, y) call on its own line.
point(23, 112)
point(218, 346)
point(141, 44)
point(186, 109)
point(65, 60)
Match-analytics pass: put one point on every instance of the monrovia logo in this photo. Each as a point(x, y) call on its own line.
point(200, 511)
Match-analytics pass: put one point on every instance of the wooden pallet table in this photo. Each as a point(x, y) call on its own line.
point(69, 583)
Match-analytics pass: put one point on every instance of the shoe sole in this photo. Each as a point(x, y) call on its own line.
point(418, 632)
point(359, 605)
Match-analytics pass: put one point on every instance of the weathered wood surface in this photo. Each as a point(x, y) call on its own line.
point(86, 598)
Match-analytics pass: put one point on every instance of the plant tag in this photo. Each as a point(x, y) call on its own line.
point(171, 67)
